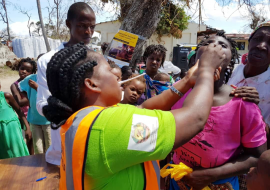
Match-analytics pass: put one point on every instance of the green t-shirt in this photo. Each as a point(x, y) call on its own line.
point(122, 138)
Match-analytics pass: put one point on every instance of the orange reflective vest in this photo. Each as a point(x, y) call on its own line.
point(74, 134)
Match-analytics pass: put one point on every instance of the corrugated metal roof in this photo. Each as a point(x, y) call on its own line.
point(232, 36)
point(238, 36)
point(107, 22)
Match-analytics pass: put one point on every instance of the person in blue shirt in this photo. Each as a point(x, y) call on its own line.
point(40, 126)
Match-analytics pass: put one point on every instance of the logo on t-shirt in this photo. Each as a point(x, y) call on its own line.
point(143, 134)
point(140, 133)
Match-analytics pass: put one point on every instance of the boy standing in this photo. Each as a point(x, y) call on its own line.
point(81, 22)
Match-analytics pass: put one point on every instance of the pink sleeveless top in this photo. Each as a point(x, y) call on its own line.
point(24, 108)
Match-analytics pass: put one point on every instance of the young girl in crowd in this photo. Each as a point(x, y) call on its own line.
point(154, 57)
point(233, 138)
point(40, 126)
point(11, 139)
point(114, 147)
point(133, 90)
point(26, 67)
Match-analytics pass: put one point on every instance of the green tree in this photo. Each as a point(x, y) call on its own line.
point(173, 21)
point(146, 17)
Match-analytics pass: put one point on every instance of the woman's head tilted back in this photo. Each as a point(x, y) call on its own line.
point(77, 78)
point(230, 49)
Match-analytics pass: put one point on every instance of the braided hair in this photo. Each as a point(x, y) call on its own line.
point(66, 72)
point(155, 49)
point(235, 55)
point(28, 60)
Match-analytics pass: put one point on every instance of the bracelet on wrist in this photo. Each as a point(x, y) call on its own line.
point(176, 91)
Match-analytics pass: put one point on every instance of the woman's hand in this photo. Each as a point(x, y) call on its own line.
point(212, 56)
point(199, 179)
point(249, 94)
point(193, 72)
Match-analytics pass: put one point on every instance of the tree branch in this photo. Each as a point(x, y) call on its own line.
point(26, 12)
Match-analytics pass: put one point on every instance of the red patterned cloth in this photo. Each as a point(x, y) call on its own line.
point(244, 58)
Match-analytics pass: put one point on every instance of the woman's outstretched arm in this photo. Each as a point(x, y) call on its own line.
point(190, 119)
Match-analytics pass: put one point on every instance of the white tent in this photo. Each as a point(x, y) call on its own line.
point(168, 66)
point(32, 46)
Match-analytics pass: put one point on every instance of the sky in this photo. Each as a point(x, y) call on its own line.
point(229, 18)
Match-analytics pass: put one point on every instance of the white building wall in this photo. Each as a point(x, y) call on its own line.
point(32, 46)
point(189, 36)
point(107, 30)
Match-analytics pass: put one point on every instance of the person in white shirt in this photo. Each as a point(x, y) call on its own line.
point(81, 21)
point(256, 73)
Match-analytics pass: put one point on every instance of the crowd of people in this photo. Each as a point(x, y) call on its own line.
point(110, 128)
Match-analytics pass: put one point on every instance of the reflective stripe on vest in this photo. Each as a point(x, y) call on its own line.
point(75, 135)
point(76, 139)
point(152, 175)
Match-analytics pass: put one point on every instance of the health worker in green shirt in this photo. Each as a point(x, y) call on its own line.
point(105, 146)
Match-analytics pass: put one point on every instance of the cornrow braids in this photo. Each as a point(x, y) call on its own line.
point(155, 49)
point(66, 72)
point(57, 59)
point(77, 80)
point(28, 60)
point(234, 58)
point(56, 111)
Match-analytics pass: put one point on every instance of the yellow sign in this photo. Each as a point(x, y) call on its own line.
point(126, 38)
point(122, 47)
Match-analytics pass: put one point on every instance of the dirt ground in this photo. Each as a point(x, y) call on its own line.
point(7, 77)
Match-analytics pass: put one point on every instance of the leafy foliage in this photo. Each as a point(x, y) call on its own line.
point(173, 21)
